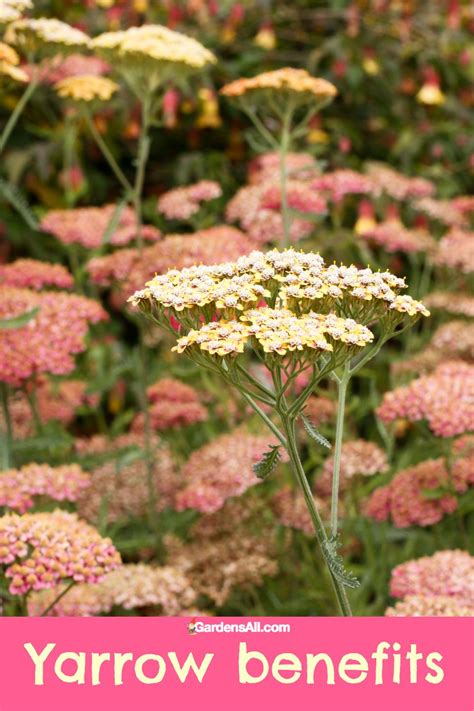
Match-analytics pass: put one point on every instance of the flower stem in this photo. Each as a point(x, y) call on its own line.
point(16, 113)
point(107, 153)
point(58, 598)
point(142, 158)
point(321, 534)
point(284, 146)
point(342, 390)
point(8, 426)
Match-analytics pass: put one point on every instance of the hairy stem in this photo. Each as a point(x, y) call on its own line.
point(321, 534)
point(341, 405)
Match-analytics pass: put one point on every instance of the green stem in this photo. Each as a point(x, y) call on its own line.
point(33, 402)
point(58, 598)
point(107, 153)
point(264, 417)
point(284, 146)
point(142, 158)
point(16, 113)
point(321, 534)
point(8, 426)
point(341, 406)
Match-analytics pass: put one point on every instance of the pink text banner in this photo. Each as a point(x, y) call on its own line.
point(398, 664)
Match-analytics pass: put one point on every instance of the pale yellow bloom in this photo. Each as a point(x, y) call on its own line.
point(297, 81)
point(86, 87)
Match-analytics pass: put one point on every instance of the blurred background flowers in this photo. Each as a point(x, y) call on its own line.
point(122, 158)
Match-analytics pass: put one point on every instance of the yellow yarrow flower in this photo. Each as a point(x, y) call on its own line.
point(86, 87)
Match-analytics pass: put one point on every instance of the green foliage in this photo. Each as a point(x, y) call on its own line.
point(268, 463)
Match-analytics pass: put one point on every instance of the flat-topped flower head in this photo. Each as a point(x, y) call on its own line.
point(132, 586)
point(86, 87)
point(456, 251)
point(295, 83)
point(150, 55)
point(18, 487)
point(48, 341)
point(34, 274)
point(88, 225)
point(444, 399)
point(279, 303)
point(449, 572)
point(11, 10)
point(432, 606)
point(46, 35)
point(184, 202)
point(40, 550)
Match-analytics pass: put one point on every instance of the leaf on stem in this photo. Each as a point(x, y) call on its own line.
point(336, 564)
point(267, 464)
point(18, 321)
point(313, 432)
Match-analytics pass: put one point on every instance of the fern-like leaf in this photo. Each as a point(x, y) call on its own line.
point(313, 432)
point(15, 197)
point(267, 464)
point(336, 564)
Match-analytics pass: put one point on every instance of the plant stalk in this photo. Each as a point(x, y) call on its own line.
point(341, 405)
point(321, 534)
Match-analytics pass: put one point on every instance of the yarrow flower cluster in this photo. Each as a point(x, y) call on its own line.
point(173, 404)
point(449, 572)
point(150, 55)
point(358, 458)
point(41, 549)
point(398, 186)
point(45, 34)
point(88, 225)
point(163, 589)
point(291, 511)
point(11, 10)
point(339, 183)
point(265, 168)
point(452, 341)
point(295, 282)
point(444, 211)
point(394, 237)
point(183, 203)
point(432, 606)
point(86, 87)
point(256, 208)
point(128, 269)
point(455, 338)
point(456, 251)
point(461, 304)
point(119, 486)
point(220, 470)
point(48, 342)
point(9, 61)
point(19, 487)
point(33, 274)
point(445, 399)
point(407, 499)
point(62, 67)
point(293, 82)
point(223, 554)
